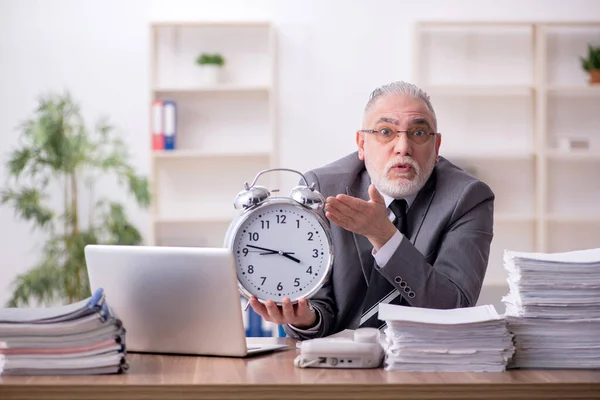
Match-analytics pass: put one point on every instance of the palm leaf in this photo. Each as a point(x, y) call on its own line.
point(27, 204)
point(55, 146)
point(43, 283)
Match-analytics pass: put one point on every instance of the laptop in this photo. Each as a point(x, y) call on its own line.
point(174, 300)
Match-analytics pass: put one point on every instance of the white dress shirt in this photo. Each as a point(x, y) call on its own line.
point(389, 248)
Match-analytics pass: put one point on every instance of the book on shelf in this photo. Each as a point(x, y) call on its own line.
point(170, 120)
point(158, 133)
point(81, 338)
point(163, 124)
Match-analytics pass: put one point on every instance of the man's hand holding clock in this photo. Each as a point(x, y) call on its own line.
point(301, 315)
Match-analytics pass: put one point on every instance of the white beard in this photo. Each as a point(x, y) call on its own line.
point(405, 187)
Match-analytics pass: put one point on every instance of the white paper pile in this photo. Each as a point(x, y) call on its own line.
point(553, 308)
point(461, 339)
point(77, 339)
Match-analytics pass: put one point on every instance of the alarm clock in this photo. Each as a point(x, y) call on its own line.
point(282, 246)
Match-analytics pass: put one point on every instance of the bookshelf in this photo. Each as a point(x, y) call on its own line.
point(513, 91)
point(226, 131)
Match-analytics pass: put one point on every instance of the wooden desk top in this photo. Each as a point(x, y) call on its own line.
point(273, 376)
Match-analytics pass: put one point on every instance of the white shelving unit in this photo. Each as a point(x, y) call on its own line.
point(504, 94)
point(226, 132)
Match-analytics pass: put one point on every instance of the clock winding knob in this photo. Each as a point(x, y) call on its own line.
point(308, 197)
point(250, 196)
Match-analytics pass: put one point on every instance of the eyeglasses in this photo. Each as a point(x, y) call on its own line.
point(386, 135)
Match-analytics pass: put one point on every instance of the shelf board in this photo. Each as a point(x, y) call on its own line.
point(479, 90)
point(426, 25)
point(487, 155)
point(579, 90)
point(574, 218)
point(219, 216)
point(211, 24)
point(570, 24)
point(187, 154)
point(213, 89)
point(573, 155)
point(514, 217)
point(469, 25)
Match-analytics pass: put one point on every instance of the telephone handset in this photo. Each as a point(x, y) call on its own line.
point(363, 350)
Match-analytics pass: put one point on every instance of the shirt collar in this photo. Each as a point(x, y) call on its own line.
point(388, 199)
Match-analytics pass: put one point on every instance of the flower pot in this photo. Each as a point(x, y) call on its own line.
point(210, 75)
point(595, 76)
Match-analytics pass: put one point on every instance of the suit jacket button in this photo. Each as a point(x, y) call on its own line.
point(411, 294)
point(397, 279)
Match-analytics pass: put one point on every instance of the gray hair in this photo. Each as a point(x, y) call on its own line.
point(401, 88)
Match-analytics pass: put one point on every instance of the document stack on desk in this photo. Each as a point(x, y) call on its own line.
point(462, 339)
point(553, 308)
point(78, 339)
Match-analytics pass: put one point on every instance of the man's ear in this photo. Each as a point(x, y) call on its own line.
point(360, 143)
point(438, 142)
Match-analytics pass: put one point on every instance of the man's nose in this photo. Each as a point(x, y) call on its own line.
point(402, 145)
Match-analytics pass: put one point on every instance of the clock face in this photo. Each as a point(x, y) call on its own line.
point(281, 250)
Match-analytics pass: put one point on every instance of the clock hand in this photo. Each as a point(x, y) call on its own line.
point(282, 253)
point(286, 255)
point(262, 248)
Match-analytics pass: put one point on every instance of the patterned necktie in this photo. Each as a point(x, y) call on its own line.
point(380, 290)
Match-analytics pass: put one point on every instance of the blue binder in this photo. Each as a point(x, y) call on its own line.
point(254, 326)
point(170, 123)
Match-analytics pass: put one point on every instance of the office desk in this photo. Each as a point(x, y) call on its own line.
point(274, 376)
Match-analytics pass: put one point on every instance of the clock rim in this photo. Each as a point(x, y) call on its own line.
point(249, 212)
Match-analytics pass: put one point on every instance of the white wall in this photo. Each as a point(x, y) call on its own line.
point(332, 54)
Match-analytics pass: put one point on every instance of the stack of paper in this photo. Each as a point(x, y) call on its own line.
point(553, 308)
point(461, 339)
point(80, 338)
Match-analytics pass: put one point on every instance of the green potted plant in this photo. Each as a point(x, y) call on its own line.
point(51, 177)
point(591, 64)
point(211, 66)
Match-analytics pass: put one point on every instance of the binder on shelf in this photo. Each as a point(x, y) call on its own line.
point(255, 326)
point(157, 128)
point(170, 123)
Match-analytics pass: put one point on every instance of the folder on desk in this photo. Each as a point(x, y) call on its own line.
point(76, 339)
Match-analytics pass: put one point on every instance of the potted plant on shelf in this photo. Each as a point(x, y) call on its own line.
point(57, 159)
point(211, 66)
point(591, 64)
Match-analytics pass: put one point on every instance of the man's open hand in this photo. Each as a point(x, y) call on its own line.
point(367, 218)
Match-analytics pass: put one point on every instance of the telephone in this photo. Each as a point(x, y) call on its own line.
point(362, 350)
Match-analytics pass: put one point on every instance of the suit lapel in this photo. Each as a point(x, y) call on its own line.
point(360, 189)
point(416, 215)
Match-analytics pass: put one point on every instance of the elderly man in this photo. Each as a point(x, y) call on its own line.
point(408, 226)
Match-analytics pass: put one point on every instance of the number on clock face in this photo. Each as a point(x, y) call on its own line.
point(281, 251)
